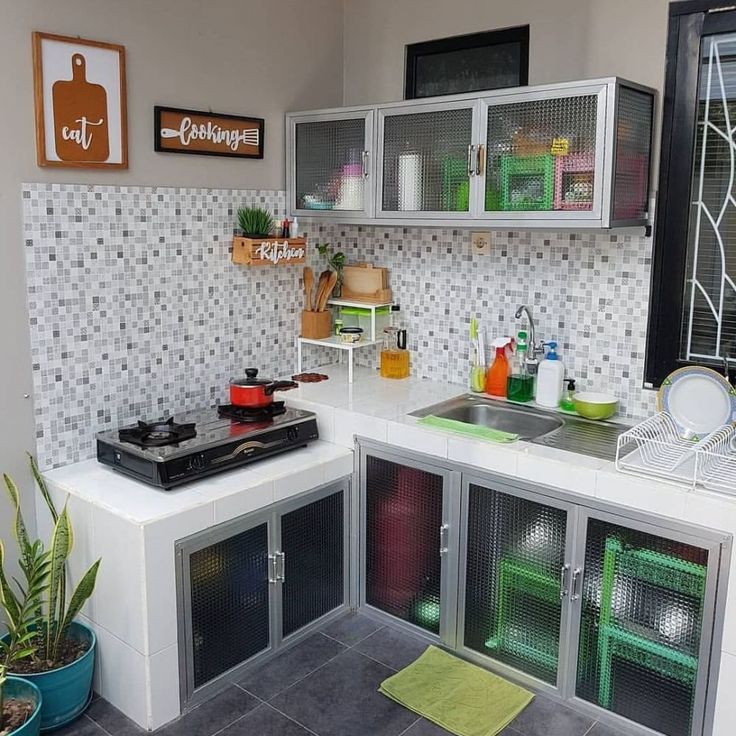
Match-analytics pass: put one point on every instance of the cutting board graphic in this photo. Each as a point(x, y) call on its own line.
point(80, 116)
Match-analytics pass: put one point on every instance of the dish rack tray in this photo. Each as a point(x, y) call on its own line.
point(654, 448)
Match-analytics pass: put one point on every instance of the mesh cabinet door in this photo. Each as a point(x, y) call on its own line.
point(229, 593)
point(513, 601)
point(425, 161)
point(312, 542)
point(330, 162)
point(403, 566)
point(641, 621)
point(541, 155)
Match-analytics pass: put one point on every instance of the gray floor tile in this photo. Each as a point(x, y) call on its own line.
point(283, 671)
point(426, 728)
point(544, 717)
point(393, 648)
point(342, 698)
point(83, 726)
point(111, 719)
point(213, 715)
point(351, 628)
point(265, 721)
point(601, 729)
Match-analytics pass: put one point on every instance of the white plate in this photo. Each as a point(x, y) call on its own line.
point(698, 399)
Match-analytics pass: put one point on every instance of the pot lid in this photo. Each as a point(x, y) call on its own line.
point(251, 379)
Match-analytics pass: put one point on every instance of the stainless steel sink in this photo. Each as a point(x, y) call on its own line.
point(550, 428)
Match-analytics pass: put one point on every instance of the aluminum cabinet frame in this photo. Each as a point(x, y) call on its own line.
point(190, 696)
point(608, 88)
point(447, 538)
point(582, 508)
point(368, 114)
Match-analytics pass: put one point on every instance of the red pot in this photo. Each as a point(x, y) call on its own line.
point(252, 392)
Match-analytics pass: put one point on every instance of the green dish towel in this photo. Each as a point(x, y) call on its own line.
point(469, 430)
point(456, 695)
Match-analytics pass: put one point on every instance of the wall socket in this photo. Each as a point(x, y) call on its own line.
point(480, 244)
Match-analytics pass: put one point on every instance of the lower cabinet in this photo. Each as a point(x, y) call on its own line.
point(248, 585)
point(612, 611)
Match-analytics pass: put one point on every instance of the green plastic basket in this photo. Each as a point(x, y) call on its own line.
point(540, 169)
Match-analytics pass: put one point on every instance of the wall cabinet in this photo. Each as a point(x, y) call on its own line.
point(615, 613)
point(566, 155)
point(250, 585)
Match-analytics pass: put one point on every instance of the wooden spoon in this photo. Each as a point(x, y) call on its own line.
point(308, 286)
point(321, 285)
point(331, 281)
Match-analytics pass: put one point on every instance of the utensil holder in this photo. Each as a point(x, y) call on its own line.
point(316, 325)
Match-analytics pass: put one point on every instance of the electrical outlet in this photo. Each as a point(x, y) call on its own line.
point(480, 244)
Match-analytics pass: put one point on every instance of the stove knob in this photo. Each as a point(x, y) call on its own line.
point(197, 462)
point(292, 433)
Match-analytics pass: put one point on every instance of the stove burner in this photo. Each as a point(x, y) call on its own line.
point(245, 415)
point(158, 434)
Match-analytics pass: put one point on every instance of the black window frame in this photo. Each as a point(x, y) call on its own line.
point(689, 21)
point(515, 34)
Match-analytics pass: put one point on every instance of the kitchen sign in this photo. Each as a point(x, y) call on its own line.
point(269, 251)
point(207, 133)
point(79, 94)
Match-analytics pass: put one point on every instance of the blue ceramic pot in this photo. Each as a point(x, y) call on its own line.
point(67, 690)
point(15, 687)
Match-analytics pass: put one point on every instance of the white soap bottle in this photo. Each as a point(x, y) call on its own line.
point(550, 378)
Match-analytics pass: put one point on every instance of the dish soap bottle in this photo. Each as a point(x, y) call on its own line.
point(520, 385)
point(498, 373)
point(567, 403)
point(550, 378)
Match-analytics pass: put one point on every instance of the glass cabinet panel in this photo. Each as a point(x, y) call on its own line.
point(541, 154)
point(312, 543)
point(513, 582)
point(425, 161)
point(329, 163)
point(229, 590)
point(402, 556)
point(642, 615)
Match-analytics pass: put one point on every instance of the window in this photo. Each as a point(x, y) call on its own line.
point(471, 63)
point(693, 316)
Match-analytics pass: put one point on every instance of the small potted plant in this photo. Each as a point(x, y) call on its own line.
point(20, 701)
point(336, 263)
point(59, 659)
point(255, 222)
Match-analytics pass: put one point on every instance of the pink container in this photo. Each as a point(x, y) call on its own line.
point(579, 166)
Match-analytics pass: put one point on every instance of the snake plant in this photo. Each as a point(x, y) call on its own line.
point(44, 572)
point(254, 221)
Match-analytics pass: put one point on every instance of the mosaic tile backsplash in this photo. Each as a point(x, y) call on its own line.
point(136, 309)
point(588, 292)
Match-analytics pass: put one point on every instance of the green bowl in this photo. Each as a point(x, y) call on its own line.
point(595, 406)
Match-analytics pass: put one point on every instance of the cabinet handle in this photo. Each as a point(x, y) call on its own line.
point(281, 568)
point(365, 156)
point(576, 578)
point(444, 549)
point(480, 159)
point(272, 575)
point(564, 570)
point(471, 151)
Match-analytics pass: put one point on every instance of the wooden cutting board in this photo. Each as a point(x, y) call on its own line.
point(81, 128)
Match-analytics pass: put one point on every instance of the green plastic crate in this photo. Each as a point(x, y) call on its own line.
point(539, 170)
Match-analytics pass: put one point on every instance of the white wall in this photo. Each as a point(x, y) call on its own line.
point(255, 57)
point(569, 39)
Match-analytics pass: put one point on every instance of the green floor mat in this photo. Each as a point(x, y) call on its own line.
point(462, 698)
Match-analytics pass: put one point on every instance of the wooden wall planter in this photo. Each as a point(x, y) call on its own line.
point(269, 251)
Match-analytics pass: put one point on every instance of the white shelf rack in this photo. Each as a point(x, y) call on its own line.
point(334, 342)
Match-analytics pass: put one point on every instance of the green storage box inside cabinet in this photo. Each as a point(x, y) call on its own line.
point(527, 182)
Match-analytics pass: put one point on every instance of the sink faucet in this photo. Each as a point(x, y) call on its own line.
point(533, 350)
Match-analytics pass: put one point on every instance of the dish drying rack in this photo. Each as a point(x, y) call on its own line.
point(654, 448)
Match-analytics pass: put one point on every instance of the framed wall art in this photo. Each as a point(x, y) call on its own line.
point(81, 112)
point(207, 133)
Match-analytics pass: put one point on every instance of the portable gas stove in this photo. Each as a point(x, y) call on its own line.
point(170, 452)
